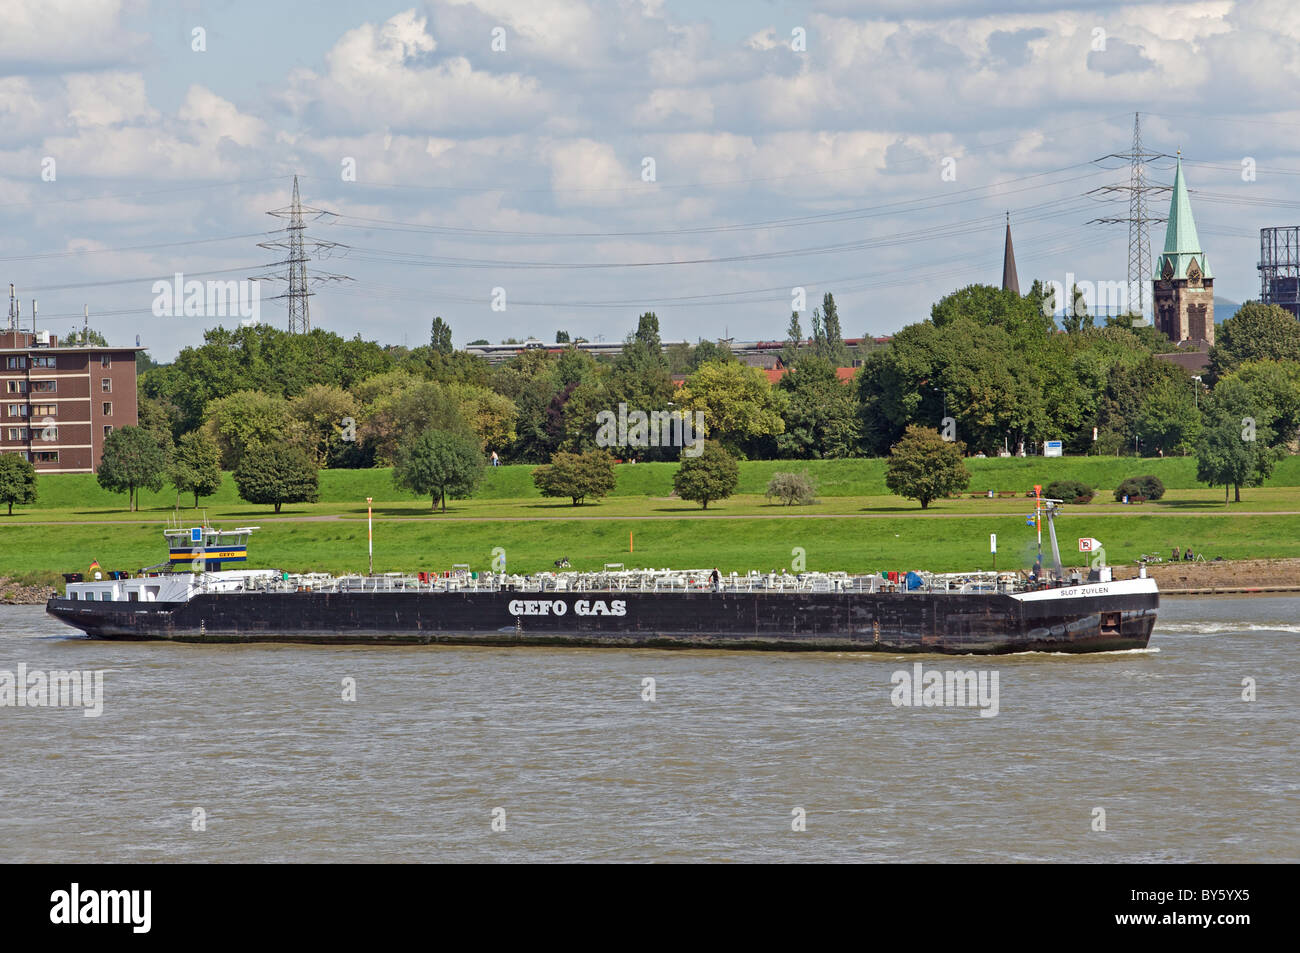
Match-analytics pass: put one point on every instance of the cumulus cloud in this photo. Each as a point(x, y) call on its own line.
point(386, 74)
point(48, 36)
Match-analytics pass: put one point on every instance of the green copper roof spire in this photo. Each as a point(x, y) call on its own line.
point(1182, 246)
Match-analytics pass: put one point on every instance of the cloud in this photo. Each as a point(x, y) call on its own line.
point(50, 36)
point(385, 74)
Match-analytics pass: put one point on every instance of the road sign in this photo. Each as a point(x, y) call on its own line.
point(1089, 545)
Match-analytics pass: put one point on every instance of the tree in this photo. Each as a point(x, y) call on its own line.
point(793, 340)
point(277, 473)
point(737, 401)
point(440, 336)
point(791, 488)
point(1235, 446)
point(17, 480)
point(323, 412)
point(713, 475)
point(439, 464)
point(708, 351)
point(836, 352)
point(1076, 317)
point(924, 467)
point(478, 342)
point(249, 417)
point(1168, 419)
point(561, 337)
point(577, 476)
point(132, 460)
point(195, 466)
point(821, 414)
point(1256, 332)
point(1275, 388)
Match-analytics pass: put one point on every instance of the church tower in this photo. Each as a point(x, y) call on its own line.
point(1183, 287)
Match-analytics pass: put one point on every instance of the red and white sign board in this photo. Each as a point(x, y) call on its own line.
point(1089, 545)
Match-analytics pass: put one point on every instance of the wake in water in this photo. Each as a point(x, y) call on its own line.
point(1218, 628)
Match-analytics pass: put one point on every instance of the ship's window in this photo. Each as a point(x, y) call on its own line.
point(133, 596)
point(72, 595)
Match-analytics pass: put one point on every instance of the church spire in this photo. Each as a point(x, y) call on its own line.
point(1182, 245)
point(1009, 280)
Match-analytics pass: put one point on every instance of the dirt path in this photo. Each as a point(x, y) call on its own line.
point(1239, 574)
point(676, 516)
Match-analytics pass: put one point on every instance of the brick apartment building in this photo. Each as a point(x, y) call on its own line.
point(58, 403)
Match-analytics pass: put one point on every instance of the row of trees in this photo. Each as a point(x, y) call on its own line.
point(988, 365)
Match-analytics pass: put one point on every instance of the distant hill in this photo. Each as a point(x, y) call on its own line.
point(1224, 309)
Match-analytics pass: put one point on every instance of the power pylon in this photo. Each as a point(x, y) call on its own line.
point(296, 242)
point(1138, 221)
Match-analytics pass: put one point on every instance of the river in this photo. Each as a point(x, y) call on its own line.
point(251, 753)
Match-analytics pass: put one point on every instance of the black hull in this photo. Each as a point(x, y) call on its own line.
point(990, 623)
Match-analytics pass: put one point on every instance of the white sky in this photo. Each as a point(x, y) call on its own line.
point(471, 163)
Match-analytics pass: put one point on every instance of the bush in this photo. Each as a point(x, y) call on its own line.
point(279, 473)
point(791, 488)
point(1147, 486)
point(1070, 491)
point(713, 475)
point(578, 476)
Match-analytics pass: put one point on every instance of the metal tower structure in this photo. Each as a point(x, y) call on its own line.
point(1279, 267)
point(297, 243)
point(1138, 221)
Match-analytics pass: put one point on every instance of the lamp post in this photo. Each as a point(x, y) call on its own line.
point(1196, 391)
point(370, 536)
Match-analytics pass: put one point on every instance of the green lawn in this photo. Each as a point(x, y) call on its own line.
point(80, 493)
point(958, 543)
point(856, 525)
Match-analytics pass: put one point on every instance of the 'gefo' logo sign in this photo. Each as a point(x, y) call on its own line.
point(179, 298)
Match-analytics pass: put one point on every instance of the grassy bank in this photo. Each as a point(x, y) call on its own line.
point(955, 543)
point(81, 493)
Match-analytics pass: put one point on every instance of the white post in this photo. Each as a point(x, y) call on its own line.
point(370, 535)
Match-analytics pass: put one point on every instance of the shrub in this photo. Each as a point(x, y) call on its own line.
point(1147, 486)
point(713, 475)
point(791, 488)
point(578, 476)
point(1070, 491)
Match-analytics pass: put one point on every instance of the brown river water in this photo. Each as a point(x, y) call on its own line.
point(533, 754)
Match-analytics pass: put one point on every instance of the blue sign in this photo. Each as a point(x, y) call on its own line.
point(196, 535)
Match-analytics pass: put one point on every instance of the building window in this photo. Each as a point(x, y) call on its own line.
point(17, 433)
point(106, 360)
point(17, 387)
point(106, 385)
point(16, 364)
point(17, 410)
point(45, 456)
point(108, 408)
point(108, 429)
point(43, 362)
point(44, 387)
point(44, 410)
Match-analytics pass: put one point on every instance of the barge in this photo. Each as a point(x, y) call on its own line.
point(197, 600)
